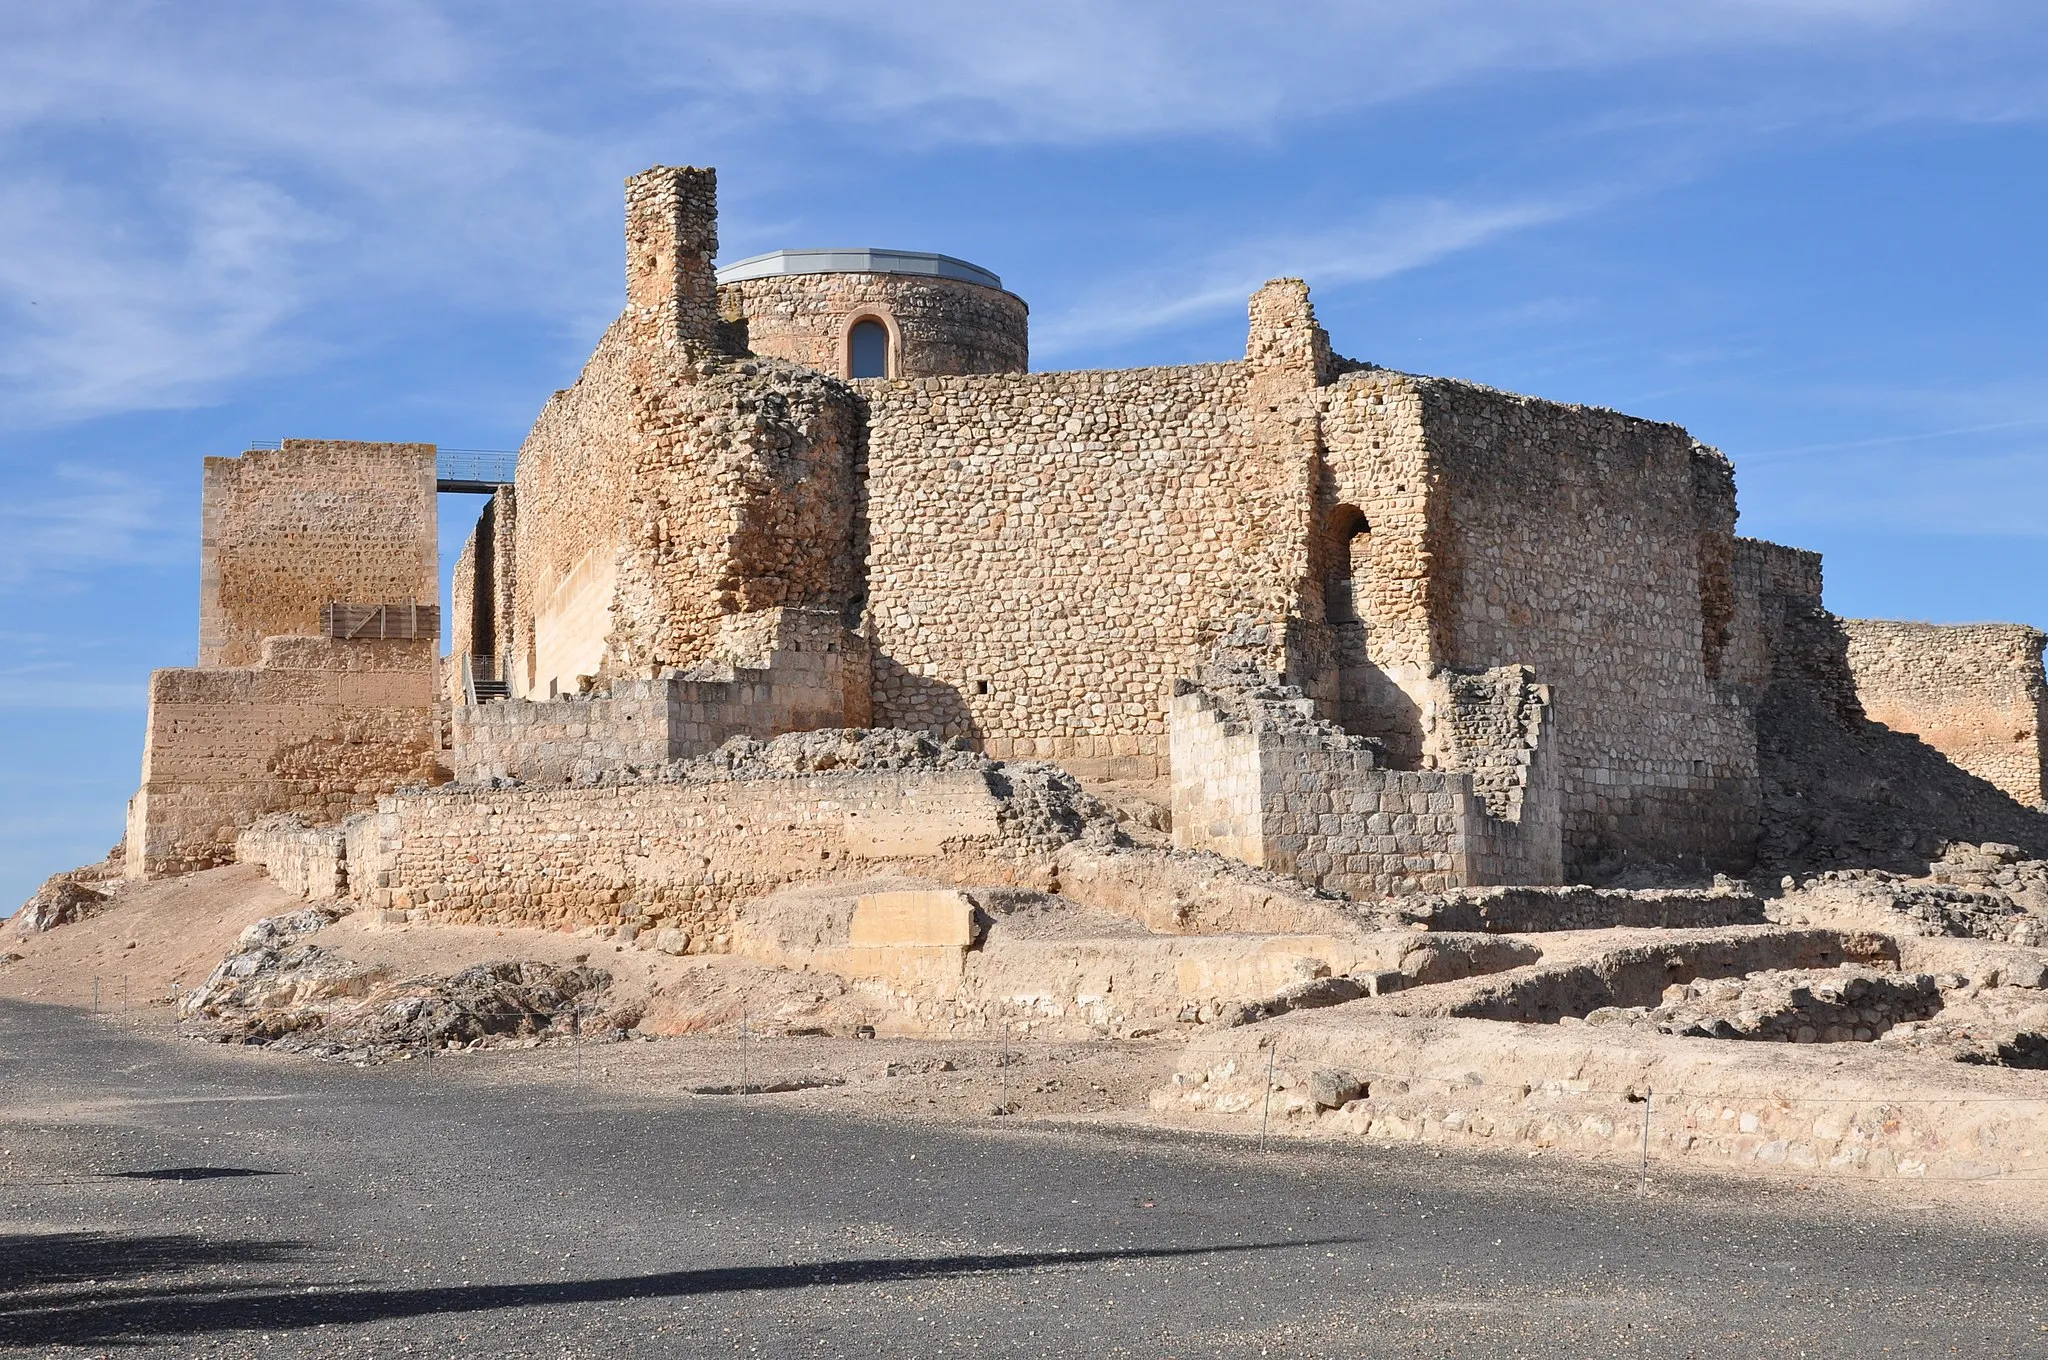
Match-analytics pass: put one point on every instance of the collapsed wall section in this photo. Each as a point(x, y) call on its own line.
point(1974, 692)
point(807, 672)
point(1258, 777)
point(574, 481)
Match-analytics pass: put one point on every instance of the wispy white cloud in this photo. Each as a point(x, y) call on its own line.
point(186, 185)
point(1400, 236)
point(1080, 70)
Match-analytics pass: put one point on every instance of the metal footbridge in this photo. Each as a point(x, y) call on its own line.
point(469, 472)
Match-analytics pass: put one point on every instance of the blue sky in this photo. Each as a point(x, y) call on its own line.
point(1808, 230)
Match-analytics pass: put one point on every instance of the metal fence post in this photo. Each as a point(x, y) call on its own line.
point(1266, 1108)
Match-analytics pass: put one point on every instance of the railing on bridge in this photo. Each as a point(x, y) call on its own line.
point(478, 472)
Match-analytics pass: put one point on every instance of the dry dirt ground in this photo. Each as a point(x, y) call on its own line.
point(158, 937)
point(718, 1021)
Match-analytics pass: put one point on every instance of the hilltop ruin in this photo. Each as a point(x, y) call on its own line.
point(807, 585)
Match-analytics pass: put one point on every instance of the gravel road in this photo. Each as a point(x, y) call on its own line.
point(164, 1197)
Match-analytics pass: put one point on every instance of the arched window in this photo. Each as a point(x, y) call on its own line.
point(867, 350)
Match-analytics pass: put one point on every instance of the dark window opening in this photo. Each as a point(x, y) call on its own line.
point(1348, 552)
point(867, 350)
point(981, 687)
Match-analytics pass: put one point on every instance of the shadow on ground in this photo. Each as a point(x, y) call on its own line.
point(133, 1315)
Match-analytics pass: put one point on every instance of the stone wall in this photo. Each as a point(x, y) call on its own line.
point(810, 673)
point(285, 532)
point(1499, 728)
point(305, 861)
point(1257, 776)
point(673, 485)
point(1974, 692)
point(1569, 540)
point(1048, 551)
point(320, 728)
point(937, 326)
point(673, 855)
point(1780, 632)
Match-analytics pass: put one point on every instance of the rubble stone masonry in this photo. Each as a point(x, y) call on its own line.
point(1521, 638)
point(1973, 692)
point(937, 326)
point(319, 521)
point(806, 672)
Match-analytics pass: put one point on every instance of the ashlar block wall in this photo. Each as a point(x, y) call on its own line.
point(1260, 779)
point(318, 727)
point(663, 855)
point(284, 532)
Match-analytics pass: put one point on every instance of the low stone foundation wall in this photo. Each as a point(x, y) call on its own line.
point(682, 856)
point(1519, 910)
point(781, 670)
point(307, 861)
point(1341, 1074)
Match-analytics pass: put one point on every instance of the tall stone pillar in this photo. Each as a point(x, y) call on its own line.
point(671, 241)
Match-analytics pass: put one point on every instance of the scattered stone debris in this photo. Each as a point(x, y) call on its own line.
point(284, 991)
point(61, 901)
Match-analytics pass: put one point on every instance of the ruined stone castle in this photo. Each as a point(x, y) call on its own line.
point(1381, 632)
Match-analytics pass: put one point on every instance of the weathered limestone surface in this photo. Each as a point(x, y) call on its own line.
point(665, 855)
point(673, 487)
point(277, 718)
point(1974, 692)
point(1259, 777)
point(319, 727)
point(318, 521)
point(808, 673)
point(309, 861)
point(1519, 641)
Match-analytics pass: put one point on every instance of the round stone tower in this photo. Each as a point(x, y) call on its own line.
point(875, 313)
